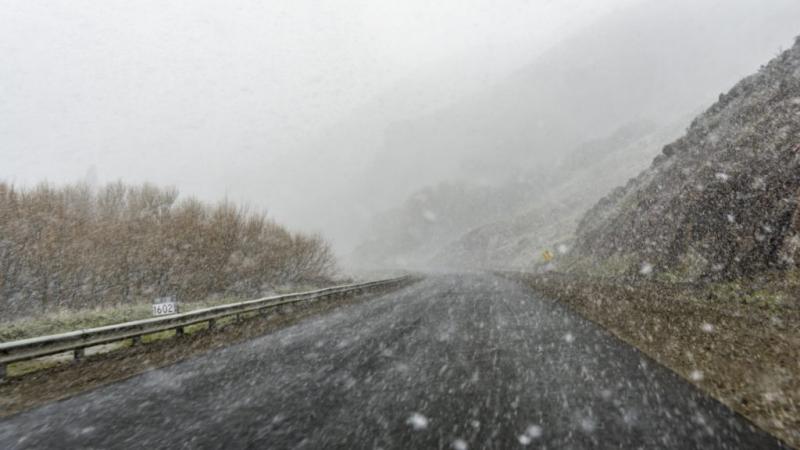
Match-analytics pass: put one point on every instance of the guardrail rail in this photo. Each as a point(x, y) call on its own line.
point(77, 341)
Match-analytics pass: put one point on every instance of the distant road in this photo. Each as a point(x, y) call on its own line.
point(454, 361)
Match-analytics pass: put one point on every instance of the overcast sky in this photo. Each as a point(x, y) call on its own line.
point(191, 92)
point(284, 105)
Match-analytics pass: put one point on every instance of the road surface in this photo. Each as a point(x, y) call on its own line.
point(454, 361)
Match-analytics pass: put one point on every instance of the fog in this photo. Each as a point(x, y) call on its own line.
point(328, 113)
point(411, 224)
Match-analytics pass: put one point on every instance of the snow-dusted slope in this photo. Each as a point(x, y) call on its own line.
point(658, 61)
point(723, 199)
point(548, 220)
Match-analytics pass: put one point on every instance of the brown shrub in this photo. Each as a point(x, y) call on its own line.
point(76, 247)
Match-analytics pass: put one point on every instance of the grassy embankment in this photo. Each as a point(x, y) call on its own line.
point(71, 320)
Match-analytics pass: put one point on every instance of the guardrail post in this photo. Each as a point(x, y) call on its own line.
point(179, 332)
point(3, 372)
point(79, 354)
point(136, 340)
point(212, 323)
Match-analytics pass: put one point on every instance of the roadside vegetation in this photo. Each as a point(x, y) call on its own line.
point(109, 251)
point(78, 319)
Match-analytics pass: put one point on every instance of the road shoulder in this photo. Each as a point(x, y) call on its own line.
point(63, 381)
point(746, 355)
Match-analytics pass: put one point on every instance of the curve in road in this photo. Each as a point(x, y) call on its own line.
point(454, 361)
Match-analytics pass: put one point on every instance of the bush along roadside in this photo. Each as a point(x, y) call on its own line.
point(76, 247)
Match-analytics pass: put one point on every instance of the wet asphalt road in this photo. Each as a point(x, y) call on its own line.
point(454, 361)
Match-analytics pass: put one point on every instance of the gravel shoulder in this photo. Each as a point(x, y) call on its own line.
point(742, 349)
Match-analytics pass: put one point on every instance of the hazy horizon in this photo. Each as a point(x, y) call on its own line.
point(285, 107)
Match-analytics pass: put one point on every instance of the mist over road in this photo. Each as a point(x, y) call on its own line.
point(454, 361)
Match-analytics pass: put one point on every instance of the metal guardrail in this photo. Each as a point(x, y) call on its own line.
point(78, 341)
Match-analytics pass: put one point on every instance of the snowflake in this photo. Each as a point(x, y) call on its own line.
point(418, 421)
point(534, 431)
point(459, 444)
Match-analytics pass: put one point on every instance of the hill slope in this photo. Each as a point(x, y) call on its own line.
point(722, 200)
point(655, 61)
point(549, 218)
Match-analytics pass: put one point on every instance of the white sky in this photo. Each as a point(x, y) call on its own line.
point(190, 92)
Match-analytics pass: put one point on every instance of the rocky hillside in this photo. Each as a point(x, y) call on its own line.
point(549, 218)
point(720, 201)
point(653, 60)
point(469, 225)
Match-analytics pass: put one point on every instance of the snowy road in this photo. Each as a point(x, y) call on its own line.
point(454, 361)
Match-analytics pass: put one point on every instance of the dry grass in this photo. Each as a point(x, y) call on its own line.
point(78, 319)
point(740, 342)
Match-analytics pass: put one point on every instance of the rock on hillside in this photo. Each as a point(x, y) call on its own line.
point(722, 200)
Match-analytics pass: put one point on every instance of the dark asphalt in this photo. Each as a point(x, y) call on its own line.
point(454, 361)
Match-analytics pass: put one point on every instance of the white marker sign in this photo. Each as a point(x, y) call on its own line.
point(164, 306)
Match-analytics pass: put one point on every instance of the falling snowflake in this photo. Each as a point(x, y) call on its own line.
point(707, 327)
point(722, 176)
point(418, 421)
point(731, 218)
point(429, 215)
point(534, 431)
point(459, 444)
point(569, 338)
point(646, 269)
point(531, 433)
point(696, 375)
